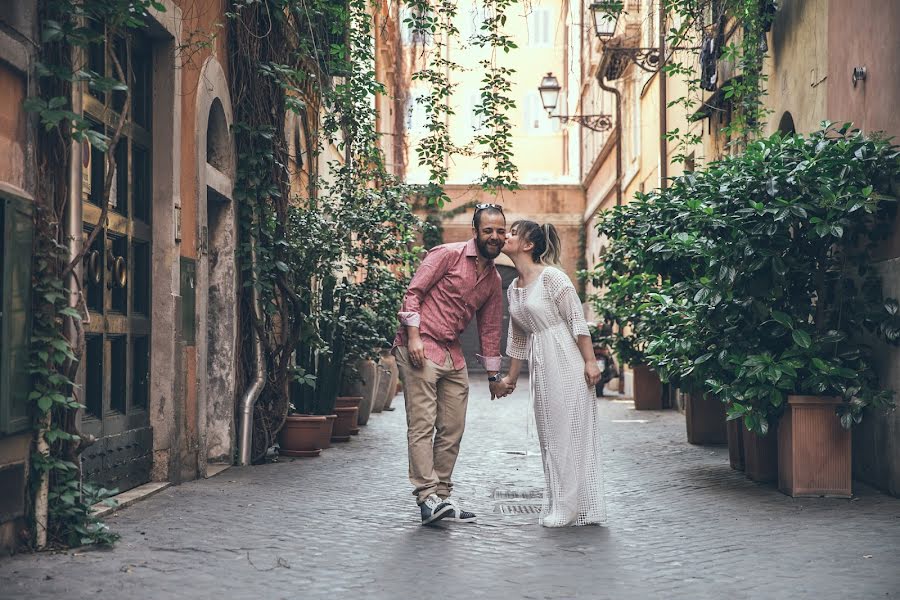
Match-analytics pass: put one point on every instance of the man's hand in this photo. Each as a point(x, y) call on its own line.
point(591, 372)
point(416, 350)
point(499, 389)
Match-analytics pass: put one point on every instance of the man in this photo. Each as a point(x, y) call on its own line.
point(454, 283)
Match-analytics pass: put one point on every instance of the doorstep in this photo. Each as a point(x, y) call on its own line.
point(214, 469)
point(130, 497)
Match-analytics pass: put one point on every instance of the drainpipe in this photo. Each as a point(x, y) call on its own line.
point(248, 402)
point(601, 79)
point(663, 101)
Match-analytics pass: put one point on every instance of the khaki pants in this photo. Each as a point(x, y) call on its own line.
point(436, 399)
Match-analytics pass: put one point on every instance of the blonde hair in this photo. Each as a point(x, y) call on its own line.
point(547, 245)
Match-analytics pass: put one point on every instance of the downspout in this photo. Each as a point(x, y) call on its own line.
point(248, 402)
point(663, 101)
point(601, 75)
point(601, 79)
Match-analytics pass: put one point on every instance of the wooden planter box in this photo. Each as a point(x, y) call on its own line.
point(761, 455)
point(814, 451)
point(647, 388)
point(735, 430)
point(705, 420)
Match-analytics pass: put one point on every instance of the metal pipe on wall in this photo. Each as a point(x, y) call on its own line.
point(601, 75)
point(663, 101)
point(248, 401)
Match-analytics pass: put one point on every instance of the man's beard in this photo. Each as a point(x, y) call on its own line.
point(487, 250)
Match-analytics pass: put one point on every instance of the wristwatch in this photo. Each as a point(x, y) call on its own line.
point(495, 378)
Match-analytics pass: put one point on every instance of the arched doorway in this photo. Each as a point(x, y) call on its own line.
point(786, 124)
point(216, 287)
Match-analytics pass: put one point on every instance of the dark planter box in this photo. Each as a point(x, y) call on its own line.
point(647, 388)
point(705, 420)
point(735, 431)
point(814, 451)
point(761, 455)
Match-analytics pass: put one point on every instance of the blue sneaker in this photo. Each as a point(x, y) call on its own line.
point(434, 509)
point(457, 514)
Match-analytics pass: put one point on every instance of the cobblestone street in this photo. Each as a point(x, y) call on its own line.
point(682, 525)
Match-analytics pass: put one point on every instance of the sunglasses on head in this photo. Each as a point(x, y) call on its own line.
point(484, 205)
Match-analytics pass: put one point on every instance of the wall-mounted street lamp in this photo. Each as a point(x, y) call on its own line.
point(606, 15)
point(549, 90)
point(606, 18)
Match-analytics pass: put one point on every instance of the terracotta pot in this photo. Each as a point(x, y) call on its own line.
point(384, 383)
point(736, 444)
point(302, 435)
point(366, 389)
point(327, 430)
point(351, 402)
point(761, 455)
point(814, 456)
point(647, 388)
point(705, 420)
point(388, 360)
point(345, 423)
point(381, 381)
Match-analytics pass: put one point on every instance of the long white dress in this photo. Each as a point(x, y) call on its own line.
point(546, 320)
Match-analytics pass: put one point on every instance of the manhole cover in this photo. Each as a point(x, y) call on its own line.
point(517, 508)
point(517, 494)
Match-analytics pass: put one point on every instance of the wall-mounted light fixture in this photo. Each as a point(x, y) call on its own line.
point(550, 89)
point(859, 74)
point(606, 14)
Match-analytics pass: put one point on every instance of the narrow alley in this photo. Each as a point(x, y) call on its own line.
point(682, 524)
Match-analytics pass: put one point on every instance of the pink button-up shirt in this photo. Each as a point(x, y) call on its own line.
point(442, 298)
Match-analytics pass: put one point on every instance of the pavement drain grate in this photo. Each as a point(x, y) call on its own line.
point(517, 508)
point(517, 494)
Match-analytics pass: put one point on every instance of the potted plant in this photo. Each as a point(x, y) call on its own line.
point(320, 363)
point(788, 230)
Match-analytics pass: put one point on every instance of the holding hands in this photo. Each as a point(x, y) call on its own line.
point(501, 388)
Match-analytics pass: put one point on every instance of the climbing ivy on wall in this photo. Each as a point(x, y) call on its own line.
point(433, 20)
point(69, 30)
point(709, 31)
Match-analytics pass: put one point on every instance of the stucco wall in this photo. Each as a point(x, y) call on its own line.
point(797, 65)
point(863, 33)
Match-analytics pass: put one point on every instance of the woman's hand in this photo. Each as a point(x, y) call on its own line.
point(591, 372)
point(510, 384)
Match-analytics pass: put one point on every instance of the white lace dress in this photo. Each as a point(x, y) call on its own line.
point(546, 320)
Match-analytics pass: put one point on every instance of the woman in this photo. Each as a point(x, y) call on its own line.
point(548, 329)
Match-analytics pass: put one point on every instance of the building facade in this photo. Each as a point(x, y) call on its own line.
point(826, 60)
point(160, 376)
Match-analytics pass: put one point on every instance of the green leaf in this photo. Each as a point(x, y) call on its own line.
point(783, 318)
point(801, 338)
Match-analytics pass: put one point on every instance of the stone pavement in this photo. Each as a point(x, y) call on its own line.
point(682, 524)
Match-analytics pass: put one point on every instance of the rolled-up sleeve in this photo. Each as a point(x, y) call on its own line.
point(490, 319)
point(433, 267)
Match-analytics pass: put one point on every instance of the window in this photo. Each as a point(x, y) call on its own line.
point(539, 28)
point(474, 18)
point(416, 119)
point(636, 119)
point(408, 34)
point(535, 118)
point(476, 121)
point(15, 312)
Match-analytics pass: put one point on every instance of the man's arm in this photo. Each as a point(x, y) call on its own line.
point(432, 269)
point(490, 318)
